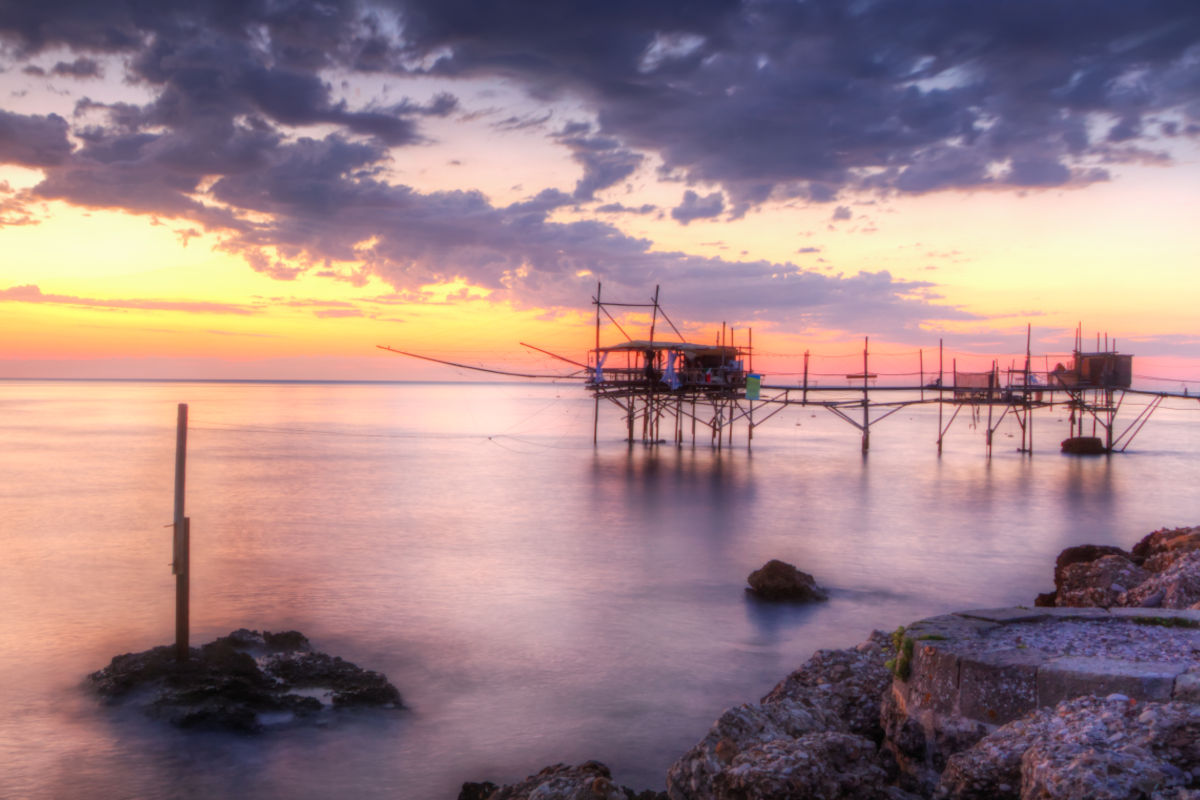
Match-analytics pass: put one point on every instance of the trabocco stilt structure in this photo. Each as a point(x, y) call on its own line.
point(670, 390)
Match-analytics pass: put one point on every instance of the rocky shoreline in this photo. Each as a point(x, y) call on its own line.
point(1093, 693)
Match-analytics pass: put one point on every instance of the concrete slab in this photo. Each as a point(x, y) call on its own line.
point(1160, 613)
point(933, 682)
point(1077, 613)
point(1187, 686)
point(999, 686)
point(1005, 615)
point(1071, 676)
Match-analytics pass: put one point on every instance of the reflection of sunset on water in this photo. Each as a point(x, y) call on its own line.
point(534, 598)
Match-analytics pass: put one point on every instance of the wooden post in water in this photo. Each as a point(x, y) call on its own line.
point(941, 376)
point(181, 562)
point(804, 395)
point(866, 425)
point(599, 377)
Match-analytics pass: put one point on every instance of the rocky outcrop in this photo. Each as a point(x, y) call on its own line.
point(245, 682)
point(1099, 583)
point(1156, 551)
point(588, 781)
point(794, 742)
point(780, 581)
point(1176, 586)
point(1161, 571)
point(1088, 748)
point(1097, 699)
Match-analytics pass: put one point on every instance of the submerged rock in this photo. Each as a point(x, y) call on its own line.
point(241, 682)
point(778, 580)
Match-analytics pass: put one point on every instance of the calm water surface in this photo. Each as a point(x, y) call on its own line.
point(536, 599)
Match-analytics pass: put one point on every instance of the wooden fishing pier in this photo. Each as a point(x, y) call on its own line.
point(670, 390)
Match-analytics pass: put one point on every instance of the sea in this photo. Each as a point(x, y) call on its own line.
point(536, 597)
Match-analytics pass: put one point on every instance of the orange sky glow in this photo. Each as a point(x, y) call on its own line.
point(497, 212)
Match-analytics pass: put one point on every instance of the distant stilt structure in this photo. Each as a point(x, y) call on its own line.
point(713, 386)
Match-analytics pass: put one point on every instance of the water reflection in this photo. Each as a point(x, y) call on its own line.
point(535, 598)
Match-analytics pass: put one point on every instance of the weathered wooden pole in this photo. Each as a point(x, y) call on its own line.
point(804, 396)
point(992, 381)
point(599, 377)
point(941, 376)
point(866, 402)
point(180, 564)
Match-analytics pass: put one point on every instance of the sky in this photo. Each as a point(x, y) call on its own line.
point(271, 188)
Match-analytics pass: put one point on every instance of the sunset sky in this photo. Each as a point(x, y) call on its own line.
point(270, 188)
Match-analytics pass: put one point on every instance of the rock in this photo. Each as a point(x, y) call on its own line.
point(1177, 586)
point(477, 791)
point(1084, 553)
point(850, 684)
point(348, 684)
point(835, 692)
point(1097, 583)
point(1160, 549)
point(1084, 446)
point(588, 781)
point(778, 580)
point(240, 682)
point(1045, 599)
point(832, 765)
point(1086, 747)
point(921, 739)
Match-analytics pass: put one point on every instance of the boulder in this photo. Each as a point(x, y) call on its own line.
point(826, 764)
point(834, 698)
point(1177, 586)
point(778, 580)
point(1087, 747)
point(588, 781)
point(1098, 583)
point(850, 684)
point(1084, 553)
point(1160, 549)
point(1084, 446)
point(242, 682)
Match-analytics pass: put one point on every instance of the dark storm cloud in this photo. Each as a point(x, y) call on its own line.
point(806, 98)
point(33, 140)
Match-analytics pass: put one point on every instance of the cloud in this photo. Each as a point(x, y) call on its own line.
point(604, 161)
point(696, 207)
point(243, 135)
point(33, 140)
point(30, 293)
point(621, 208)
point(809, 99)
point(79, 68)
